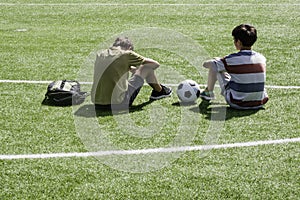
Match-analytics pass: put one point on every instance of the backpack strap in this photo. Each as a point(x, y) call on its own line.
point(62, 85)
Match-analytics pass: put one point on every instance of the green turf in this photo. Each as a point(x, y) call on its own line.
point(50, 42)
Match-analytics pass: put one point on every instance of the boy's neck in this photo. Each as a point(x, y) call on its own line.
point(245, 48)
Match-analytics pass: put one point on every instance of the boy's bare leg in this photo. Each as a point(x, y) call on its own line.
point(148, 74)
point(212, 79)
point(212, 74)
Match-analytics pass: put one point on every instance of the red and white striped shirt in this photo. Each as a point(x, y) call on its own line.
point(246, 87)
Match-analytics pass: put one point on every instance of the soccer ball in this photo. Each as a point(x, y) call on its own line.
point(188, 91)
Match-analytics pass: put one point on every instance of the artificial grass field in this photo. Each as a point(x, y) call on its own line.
point(55, 40)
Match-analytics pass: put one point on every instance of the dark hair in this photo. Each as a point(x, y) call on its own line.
point(246, 34)
point(124, 43)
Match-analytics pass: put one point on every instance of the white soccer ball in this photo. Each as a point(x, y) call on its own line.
point(188, 91)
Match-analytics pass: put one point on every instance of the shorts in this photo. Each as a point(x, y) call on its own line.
point(135, 83)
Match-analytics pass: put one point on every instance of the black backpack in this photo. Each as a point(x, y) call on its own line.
point(64, 93)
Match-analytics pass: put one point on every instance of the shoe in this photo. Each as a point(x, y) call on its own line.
point(207, 95)
point(165, 92)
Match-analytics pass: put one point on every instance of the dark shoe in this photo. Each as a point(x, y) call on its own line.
point(207, 95)
point(165, 92)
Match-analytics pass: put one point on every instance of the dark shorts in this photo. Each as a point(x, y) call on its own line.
point(135, 83)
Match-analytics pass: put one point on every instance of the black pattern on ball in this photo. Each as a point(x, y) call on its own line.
point(180, 86)
point(188, 94)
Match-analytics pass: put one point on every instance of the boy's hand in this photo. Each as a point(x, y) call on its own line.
point(133, 69)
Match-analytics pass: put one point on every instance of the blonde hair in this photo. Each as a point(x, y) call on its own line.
point(124, 43)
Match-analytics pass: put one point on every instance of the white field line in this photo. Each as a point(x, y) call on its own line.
point(144, 4)
point(172, 85)
point(25, 81)
point(150, 151)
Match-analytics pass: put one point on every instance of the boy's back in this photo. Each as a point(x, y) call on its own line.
point(248, 75)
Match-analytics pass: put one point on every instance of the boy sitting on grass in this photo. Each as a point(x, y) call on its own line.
point(241, 75)
point(113, 88)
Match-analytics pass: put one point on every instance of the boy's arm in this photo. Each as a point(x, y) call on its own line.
point(135, 60)
point(147, 62)
point(216, 63)
point(151, 63)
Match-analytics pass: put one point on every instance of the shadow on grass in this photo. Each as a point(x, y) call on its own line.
point(217, 111)
point(208, 109)
point(211, 111)
point(89, 110)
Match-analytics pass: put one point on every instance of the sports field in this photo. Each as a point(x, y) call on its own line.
point(160, 149)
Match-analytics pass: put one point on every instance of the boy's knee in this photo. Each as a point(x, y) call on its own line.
point(144, 71)
point(208, 63)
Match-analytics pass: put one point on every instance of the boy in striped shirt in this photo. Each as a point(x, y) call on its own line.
point(241, 75)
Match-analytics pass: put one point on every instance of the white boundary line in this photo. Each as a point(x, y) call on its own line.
point(143, 4)
point(150, 151)
point(139, 4)
point(25, 81)
point(173, 85)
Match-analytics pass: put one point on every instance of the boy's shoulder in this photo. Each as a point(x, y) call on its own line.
point(244, 53)
point(248, 56)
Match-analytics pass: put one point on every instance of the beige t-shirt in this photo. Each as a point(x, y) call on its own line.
point(111, 72)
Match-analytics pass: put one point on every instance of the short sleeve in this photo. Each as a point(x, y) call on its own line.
point(220, 64)
point(134, 59)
